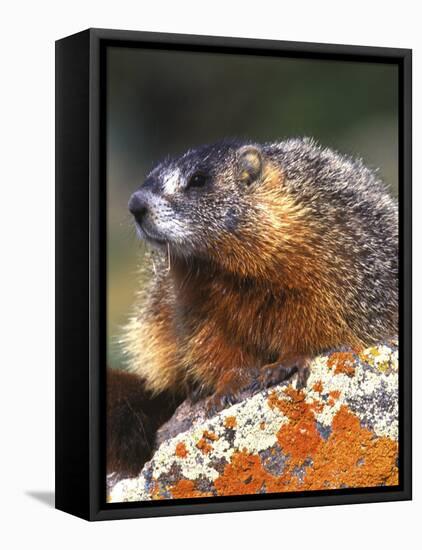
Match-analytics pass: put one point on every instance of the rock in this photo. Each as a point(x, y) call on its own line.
point(340, 431)
point(188, 415)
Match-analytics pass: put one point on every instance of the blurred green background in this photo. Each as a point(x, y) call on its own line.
point(163, 102)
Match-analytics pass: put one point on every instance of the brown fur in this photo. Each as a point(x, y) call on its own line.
point(133, 417)
point(253, 302)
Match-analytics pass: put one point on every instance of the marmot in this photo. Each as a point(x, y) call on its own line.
point(262, 256)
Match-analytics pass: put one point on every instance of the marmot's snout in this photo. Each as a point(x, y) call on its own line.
point(143, 207)
point(138, 205)
point(141, 203)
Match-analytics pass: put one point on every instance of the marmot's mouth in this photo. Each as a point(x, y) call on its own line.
point(148, 235)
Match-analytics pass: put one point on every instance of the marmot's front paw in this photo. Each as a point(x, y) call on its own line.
point(273, 374)
point(303, 372)
point(281, 371)
point(218, 402)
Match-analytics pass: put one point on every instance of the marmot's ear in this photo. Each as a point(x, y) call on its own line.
point(249, 163)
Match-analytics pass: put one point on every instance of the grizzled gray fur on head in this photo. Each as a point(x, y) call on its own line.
point(188, 201)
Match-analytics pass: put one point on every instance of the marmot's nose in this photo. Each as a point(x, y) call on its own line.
point(138, 205)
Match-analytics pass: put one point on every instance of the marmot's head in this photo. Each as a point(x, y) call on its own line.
point(224, 202)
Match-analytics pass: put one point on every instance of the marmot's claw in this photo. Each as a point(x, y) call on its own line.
point(273, 375)
point(217, 402)
point(303, 371)
point(302, 377)
point(276, 373)
point(255, 386)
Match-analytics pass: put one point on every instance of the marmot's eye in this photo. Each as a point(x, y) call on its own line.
point(197, 180)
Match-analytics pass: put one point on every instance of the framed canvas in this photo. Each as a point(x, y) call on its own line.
point(233, 274)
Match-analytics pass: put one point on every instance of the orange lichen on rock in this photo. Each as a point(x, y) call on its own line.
point(244, 475)
point(210, 435)
point(299, 438)
point(262, 425)
point(294, 407)
point(342, 363)
point(181, 450)
point(203, 444)
point(352, 456)
point(316, 406)
point(185, 488)
point(335, 394)
point(318, 386)
point(230, 422)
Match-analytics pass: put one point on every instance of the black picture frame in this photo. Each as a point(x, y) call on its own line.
point(80, 272)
